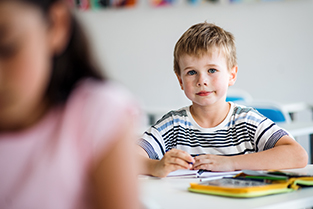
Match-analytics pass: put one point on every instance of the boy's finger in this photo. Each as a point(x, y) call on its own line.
point(178, 167)
point(171, 168)
point(183, 155)
point(202, 156)
point(203, 166)
point(180, 162)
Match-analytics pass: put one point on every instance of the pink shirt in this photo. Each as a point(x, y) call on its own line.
point(47, 166)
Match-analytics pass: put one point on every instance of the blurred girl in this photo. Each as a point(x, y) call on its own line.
point(65, 134)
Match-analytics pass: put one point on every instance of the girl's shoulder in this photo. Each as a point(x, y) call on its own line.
point(95, 105)
point(101, 90)
point(101, 96)
point(99, 111)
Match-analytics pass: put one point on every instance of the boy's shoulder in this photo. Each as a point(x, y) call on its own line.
point(171, 116)
point(242, 111)
point(181, 112)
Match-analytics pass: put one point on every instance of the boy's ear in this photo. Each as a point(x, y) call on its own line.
point(59, 28)
point(180, 81)
point(233, 75)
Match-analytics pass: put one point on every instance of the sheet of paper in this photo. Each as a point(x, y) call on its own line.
point(184, 173)
point(194, 174)
point(209, 174)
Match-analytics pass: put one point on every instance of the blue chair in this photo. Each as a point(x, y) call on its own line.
point(271, 110)
point(238, 96)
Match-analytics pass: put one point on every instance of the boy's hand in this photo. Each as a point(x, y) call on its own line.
point(173, 160)
point(213, 163)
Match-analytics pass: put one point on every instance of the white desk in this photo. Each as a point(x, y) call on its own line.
point(294, 107)
point(172, 193)
point(298, 128)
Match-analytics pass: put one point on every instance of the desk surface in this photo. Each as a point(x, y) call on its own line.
point(172, 193)
point(298, 128)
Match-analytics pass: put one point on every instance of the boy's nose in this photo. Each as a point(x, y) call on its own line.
point(202, 81)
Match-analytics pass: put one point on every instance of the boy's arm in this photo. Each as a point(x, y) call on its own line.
point(171, 161)
point(286, 153)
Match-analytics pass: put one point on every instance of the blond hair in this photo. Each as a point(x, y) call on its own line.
point(202, 38)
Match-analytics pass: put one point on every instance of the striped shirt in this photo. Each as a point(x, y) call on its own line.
point(243, 131)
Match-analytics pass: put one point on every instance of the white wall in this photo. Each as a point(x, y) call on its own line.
point(274, 46)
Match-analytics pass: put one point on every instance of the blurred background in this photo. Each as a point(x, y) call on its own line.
point(274, 47)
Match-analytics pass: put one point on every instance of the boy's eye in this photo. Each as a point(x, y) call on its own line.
point(191, 72)
point(212, 70)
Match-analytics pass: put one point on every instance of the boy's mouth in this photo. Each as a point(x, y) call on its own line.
point(204, 93)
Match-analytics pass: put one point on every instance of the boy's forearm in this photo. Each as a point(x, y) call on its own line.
point(280, 157)
point(148, 165)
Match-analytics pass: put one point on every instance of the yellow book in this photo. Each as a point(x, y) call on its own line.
point(247, 185)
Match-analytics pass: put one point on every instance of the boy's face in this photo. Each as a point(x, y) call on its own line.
point(205, 79)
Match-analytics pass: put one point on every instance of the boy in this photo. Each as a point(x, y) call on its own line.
point(213, 134)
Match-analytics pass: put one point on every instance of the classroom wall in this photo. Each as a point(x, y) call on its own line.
point(274, 46)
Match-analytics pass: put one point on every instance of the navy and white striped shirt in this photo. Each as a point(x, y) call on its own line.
point(243, 131)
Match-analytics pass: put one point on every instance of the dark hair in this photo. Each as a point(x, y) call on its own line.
point(73, 64)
